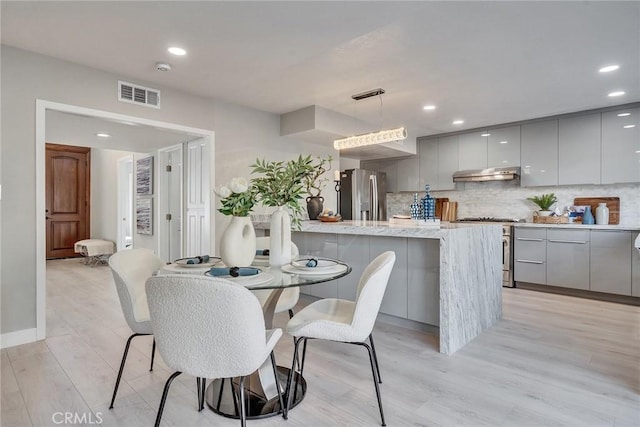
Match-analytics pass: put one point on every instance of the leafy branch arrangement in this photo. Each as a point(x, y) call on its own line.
point(315, 181)
point(283, 184)
point(545, 201)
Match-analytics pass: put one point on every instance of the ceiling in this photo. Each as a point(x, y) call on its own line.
point(483, 62)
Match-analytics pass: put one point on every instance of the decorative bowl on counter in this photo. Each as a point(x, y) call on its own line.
point(330, 218)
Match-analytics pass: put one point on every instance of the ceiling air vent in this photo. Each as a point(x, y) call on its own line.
point(136, 94)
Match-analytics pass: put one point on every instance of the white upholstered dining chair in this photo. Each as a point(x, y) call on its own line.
point(345, 321)
point(209, 328)
point(130, 269)
point(289, 297)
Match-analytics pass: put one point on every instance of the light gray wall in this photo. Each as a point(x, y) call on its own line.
point(242, 134)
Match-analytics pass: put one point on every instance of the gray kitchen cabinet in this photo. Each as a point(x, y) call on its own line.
point(395, 298)
point(539, 153)
point(354, 250)
point(503, 147)
point(635, 266)
point(530, 255)
point(579, 150)
point(321, 245)
point(620, 146)
point(447, 162)
point(610, 262)
point(423, 268)
point(408, 174)
point(568, 258)
point(428, 164)
point(389, 167)
point(472, 150)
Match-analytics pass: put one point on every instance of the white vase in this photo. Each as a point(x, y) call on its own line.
point(602, 214)
point(238, 242)
point(280, 238)
point(544, 213)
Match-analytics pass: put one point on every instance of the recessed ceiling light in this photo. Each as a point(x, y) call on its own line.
point(624, 114)
point(617, 93)
point(609, 68)
point(458, 122)
point(486, 134)
point(637, 151)
point(103, 135)
point(505, 161)
point(629, 126)
point(429, 107)
point(178, 51)
point(504, 142)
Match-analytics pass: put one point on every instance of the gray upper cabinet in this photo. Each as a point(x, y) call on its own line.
point(472, 150)
point(621, 146)
point(408, 174)
point(610, 262)
point(447, 162)
point(428, 151)
point(539, 153)
point(579, 150)
point(503, 147)
point(635, 267)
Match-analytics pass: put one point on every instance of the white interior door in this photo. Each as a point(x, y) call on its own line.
point(125, 203)
point(170, 203)
point(198, 198)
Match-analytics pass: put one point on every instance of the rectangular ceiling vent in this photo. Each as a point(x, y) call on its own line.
point(136, 94)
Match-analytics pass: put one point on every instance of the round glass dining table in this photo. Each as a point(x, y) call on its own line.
point(260, 387)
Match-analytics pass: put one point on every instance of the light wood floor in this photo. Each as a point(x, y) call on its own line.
point(552, 360)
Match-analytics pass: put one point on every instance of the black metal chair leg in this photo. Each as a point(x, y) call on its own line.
point(290, 313)
point(304, 355)
point(275, 374)
point(198, 389)
point(235, 397)
point(153, 354)
point(375, 357)
point(165, 392)
point(124, 359)
point(373, 371)
point(291, 374)
point(220, 394)
point(203, 386)
point(243, 413)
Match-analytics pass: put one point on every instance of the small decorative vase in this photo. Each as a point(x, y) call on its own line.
point(544, 213)
point(314, 206)
point(602, 214)
point(238, 242)
point(587, 217)
point(280, 238)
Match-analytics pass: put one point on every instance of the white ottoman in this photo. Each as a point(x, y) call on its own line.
point(95, 250)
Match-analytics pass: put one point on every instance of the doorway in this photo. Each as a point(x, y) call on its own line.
point(125, 203)
point(170, 202)
point(67, 205)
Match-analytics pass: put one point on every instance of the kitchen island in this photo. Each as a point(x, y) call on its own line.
point(450, 277)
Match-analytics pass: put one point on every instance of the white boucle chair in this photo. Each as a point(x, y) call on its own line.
point(289, 297)
point(345, 321)
point(130, 269)
point(209, 328)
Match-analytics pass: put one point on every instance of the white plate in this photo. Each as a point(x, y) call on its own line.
point(183, 263)
point(335, 269)
point(323, 264)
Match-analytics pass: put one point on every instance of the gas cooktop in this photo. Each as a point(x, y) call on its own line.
point(490, 219)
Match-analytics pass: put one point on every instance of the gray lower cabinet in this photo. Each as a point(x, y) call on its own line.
point(395, 297)
point(568, 258)
point(424, 280)
point(322, 245)
point(354, 250)
point(610, 262)
point(635, 266)
point(530, 255)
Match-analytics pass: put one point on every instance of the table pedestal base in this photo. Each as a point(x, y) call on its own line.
point(222, 397)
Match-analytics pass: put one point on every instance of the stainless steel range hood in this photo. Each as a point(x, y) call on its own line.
point(489, 174)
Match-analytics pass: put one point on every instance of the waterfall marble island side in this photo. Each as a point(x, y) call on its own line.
point(450, 277)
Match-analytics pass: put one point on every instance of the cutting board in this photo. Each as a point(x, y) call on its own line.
point(449, 211)
point(439, 202)
point(613, 203)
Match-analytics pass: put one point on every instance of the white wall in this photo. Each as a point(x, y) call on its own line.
point(242, 134)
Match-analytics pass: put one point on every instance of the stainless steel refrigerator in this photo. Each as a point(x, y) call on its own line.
point(363, 195)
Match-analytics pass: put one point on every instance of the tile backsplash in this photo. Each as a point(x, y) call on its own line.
point(509, 200)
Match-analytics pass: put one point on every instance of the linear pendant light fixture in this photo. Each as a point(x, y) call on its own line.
point(371, 138)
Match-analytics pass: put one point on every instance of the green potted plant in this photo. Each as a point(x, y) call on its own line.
point(544, 202)
point(314, 183)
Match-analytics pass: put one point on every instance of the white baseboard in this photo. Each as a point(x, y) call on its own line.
point(11, 339)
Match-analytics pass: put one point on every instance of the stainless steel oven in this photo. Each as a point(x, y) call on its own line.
point(507, 245)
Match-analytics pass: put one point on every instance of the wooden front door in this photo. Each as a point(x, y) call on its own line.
point(67, 198)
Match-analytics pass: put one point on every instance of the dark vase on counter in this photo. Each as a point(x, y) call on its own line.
point(314, 206)
point(587, 217)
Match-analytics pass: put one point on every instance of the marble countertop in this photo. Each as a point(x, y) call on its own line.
point(620, 227)
point(380, 228)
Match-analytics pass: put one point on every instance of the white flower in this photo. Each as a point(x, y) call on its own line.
point(239, 185)
point(224, 191)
